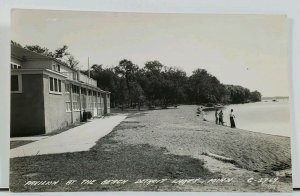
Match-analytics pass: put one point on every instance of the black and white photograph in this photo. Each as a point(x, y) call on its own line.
point(164, 102)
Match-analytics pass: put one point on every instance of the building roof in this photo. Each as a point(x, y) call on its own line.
point(24, 54)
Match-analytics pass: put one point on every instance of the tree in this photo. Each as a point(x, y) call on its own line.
point(204, 88)
point(61, 52)
point(97, 68)
point(238, 94)
point(255, 96)
point(126, 69)
point(40, 50)
point(155, 81)
point(72, 62)
point(153, 67)
point(176, 80)
point(136, 93)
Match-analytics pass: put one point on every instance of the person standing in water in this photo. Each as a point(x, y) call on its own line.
point(221, 118)
point(216, 115)
point(232, 116)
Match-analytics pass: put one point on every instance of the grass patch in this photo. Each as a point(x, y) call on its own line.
point(15, 144)
point(106, 160)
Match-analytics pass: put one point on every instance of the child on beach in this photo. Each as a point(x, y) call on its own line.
point(201, 113)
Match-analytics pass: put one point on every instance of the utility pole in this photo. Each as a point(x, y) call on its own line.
point(89, 67)
point(89, 73)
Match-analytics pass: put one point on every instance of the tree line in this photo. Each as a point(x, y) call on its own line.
point(155, 84)
point(158, 85)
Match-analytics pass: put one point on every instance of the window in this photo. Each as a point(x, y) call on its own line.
point(15, 66)
point(102, 101)
point(99, 104)
point(75, 75)
point(68, 107)
point(51, 84)
point(55, 85)
point(56, 67)
point(83, 91)
point(94, 100)
point(76, 106)
point(67, 97)
point(67, 88)
point(76, 98)
point(59, 85)
point(16, 83)
point(75, 89)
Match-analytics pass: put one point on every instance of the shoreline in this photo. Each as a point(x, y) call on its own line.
point(204, 109)
point(240, 129)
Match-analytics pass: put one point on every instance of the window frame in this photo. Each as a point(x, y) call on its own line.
point(20, 83)
point(75, 75)
point(67, 88)
point(76, 98)
point(68, 109)
point(56, 89)
point(56, 67)
point(15, 64)
point(67, 94)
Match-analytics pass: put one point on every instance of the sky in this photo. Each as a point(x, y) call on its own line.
point(246, 50)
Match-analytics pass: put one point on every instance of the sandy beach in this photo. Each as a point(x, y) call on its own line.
point(167, 144)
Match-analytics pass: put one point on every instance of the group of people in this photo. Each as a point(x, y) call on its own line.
point(219, 118)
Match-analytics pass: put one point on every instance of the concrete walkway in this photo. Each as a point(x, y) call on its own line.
point(80, 138)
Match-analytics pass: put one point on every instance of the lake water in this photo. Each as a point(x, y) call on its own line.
point(265, 117)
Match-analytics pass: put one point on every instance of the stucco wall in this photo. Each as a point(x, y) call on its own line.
point(65, 69)
point(38, 111)
point(76, 116)
point(27, 108)
point(56, 116)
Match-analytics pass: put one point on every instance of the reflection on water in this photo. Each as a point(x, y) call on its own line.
point(265, 117)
